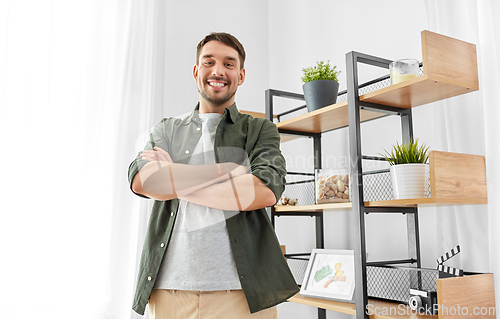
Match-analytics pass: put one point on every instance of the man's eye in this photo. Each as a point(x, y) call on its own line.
point(208, 63)
point(229, 65)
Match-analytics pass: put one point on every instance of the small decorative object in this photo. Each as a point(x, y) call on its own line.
point(320, 86)
point(409, 169)
point(404, 69)
point(331, 186)
point(288, 201)
point(445, 271)
point(329, 275)
point(423, 301)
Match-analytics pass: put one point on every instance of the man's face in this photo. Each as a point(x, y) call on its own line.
point(218, 74)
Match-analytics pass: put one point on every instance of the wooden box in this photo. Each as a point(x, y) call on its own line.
point(466, 297)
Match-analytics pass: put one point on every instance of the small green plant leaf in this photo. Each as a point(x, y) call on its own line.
point(322, 71)
point(407, 153)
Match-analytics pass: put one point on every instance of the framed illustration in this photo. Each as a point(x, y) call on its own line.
point(329, 275)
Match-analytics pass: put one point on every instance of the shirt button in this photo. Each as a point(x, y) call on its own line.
point(187, 152)
point(242, 276)
point(198, 129)
point(172, 214)
point(162, 245)
point(149, 278)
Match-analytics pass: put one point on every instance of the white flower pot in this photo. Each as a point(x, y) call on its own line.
point(409, 180)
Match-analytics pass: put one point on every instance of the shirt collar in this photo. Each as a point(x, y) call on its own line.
point(233, 112)
point(193, 117)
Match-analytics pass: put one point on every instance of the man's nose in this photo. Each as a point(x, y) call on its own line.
point(218, 70)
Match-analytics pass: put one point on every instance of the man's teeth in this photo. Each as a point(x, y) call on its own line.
point(216, 84)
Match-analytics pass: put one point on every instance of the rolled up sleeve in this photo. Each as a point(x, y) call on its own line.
point(156, 138)
point(266, 161)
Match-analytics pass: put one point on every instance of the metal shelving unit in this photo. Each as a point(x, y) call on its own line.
point(357, 204)
point(369, 101)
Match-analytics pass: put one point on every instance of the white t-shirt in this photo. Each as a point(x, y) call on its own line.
point(199, 255)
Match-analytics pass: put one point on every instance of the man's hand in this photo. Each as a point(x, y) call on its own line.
point(156, 155)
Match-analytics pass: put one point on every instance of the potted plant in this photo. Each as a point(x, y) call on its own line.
point(409, 169)
point(320, 86)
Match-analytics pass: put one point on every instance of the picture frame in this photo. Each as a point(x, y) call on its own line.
point(330, 275)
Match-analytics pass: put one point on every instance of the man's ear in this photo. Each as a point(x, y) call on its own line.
point(242, 76)
point(195, 72)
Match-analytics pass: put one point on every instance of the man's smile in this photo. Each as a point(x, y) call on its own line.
point(217, 84)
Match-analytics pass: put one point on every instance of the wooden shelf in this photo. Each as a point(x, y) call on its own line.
point(441, 79)
point(470, 292)
point(378, 309)
point(426, 201)
point(415, 92)
point(456, 179)
point(413, 202)
point(256, 114)
point(313, 208)
point(338, 306)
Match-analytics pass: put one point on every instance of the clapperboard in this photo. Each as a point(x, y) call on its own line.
point(445, 271)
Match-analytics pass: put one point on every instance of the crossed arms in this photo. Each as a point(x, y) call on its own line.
point(225, 186)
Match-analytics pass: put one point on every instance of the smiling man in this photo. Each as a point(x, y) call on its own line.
point(210, 250)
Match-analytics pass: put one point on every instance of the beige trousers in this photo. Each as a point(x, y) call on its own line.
point(181, 304)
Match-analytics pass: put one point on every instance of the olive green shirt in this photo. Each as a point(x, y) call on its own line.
point(262, 269)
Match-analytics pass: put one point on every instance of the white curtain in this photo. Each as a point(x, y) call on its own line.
point(469, 124)
point(79, 82)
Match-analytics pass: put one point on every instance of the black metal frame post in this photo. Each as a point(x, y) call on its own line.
point(406, 125)
point(269, 115)
point(356, 191)
point(411, 219)
point(320, 237)
point(413, 236)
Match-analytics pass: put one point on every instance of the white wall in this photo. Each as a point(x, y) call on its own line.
point(187, 23)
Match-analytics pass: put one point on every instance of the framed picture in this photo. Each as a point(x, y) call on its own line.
point(330, 275)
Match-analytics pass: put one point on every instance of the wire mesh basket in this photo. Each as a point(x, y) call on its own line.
point(377, 186)
point(298, 265)
point(394, 283)
point(384, 282)
point(299, 188)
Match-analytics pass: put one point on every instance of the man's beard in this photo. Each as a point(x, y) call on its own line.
point(219, 101)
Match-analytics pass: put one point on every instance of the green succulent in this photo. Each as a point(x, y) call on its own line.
point(407, 153)
point(322, 71)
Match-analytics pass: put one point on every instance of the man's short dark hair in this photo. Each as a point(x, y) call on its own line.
point(225, 38)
